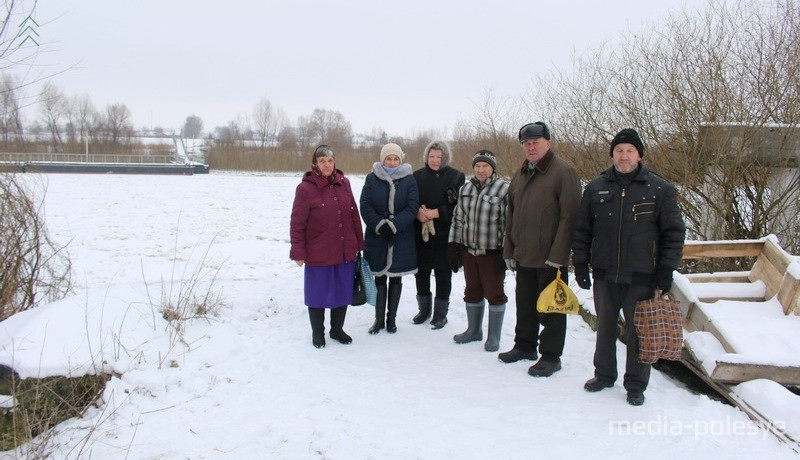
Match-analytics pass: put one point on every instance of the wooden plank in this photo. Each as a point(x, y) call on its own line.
point(776, 256)
point(765, 271)
point(700, 322)
point(685, 304)
point(742, 372)
point(719, 278)
point(789, 294)
point(722, 249)
point(742, 299)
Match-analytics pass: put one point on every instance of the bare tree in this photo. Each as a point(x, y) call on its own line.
point(10, 110)
point(494, 127)
point(265, 122)
point(304, 135)
point(117, 122)
point(683, 85)
point(330, 127)
point(84, 113)
point(287, 139)
point(15, 50)
point(32, 268)
point(53, 108)
point(233, 134)
point(192, 127)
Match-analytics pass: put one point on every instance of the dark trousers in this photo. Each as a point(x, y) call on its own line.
point(444, 284)
point(609, 298)
point(530, 283)
point(395, 280)
point(484, 276)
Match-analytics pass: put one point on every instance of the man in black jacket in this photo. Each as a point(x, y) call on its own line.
point(630, 230)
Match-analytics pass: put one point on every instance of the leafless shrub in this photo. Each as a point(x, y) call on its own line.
point(715, 95)
point(33, 269)
point(189, 295)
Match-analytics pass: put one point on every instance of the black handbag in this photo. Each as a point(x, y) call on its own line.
point(359, 291)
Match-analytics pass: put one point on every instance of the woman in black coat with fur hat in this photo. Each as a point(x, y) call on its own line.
point(438, 186)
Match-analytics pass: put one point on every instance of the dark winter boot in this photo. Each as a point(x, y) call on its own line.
point(317, 317)
point(380, 311)
point(393, 302)
point(424, 302)
point(337, 322)
point(440, 308)
point(474, 330)
point(496, 313)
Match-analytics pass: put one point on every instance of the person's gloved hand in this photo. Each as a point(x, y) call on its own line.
point(664, 278)
point(582, 276)
point(385, 230)
point(511, 264)
point(455, 256)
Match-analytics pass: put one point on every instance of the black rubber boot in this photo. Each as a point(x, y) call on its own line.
point(337, 322)
point(380, 311)
point(474, 330)
point(424, 302)
point(393, 301)
point(317, 317)
point(496, 313)
point(440, 309)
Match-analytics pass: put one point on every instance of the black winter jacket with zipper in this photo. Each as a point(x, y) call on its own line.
point(627, 233)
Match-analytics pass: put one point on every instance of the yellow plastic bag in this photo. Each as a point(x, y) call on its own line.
point(557, 297)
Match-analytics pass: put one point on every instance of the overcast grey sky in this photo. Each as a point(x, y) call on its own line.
point(403, 66)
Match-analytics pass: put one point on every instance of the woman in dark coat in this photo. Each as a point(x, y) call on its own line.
point(326, 236)
point(389, 203)
point(438, 186)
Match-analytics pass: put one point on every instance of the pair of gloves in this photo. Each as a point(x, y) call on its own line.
point(663, 278)
point(428, 228)
point(385, 230)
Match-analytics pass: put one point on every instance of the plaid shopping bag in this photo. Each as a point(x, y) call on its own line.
point(659, 326)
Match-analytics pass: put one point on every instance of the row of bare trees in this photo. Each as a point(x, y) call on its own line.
point(64, 123)
point(715, 94)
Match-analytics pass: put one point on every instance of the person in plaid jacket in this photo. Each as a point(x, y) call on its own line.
point(476, 243)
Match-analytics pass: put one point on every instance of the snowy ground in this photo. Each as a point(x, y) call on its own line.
point(250, 385)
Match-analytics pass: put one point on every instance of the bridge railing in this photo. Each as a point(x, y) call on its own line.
point(18, 157)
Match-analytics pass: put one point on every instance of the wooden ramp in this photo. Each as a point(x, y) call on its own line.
point(742, 329)
point(726, 304)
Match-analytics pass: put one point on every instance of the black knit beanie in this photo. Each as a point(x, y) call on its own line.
point(628, 136)
point(487, 157)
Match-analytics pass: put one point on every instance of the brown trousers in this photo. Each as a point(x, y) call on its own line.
point(485, 276)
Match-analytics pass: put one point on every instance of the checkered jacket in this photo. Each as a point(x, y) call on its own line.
point(479, 217)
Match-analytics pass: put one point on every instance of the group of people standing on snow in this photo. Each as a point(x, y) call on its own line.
point(626, 226)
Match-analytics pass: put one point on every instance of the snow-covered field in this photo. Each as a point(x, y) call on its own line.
point(247, 384)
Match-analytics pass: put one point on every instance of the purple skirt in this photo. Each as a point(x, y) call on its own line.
point(330, 286)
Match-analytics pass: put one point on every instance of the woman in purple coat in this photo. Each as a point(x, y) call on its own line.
point(326, 236)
